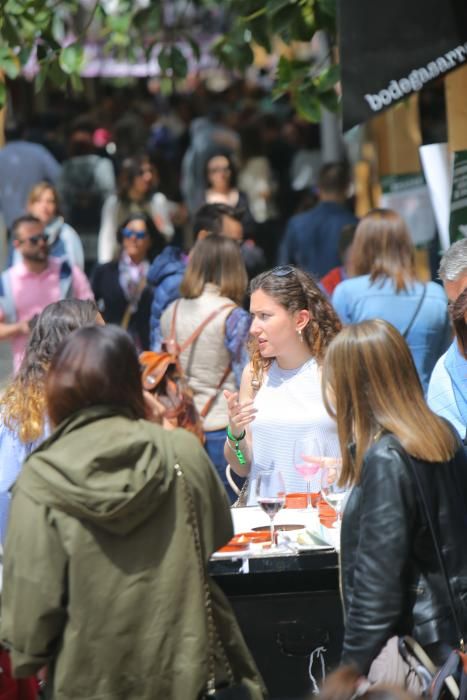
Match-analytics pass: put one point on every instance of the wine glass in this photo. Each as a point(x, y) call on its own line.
point(270, 494)
point(333, 494)
point(308, 447)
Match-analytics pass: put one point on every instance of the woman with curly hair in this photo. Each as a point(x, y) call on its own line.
point(23, 417)
point(280, 399)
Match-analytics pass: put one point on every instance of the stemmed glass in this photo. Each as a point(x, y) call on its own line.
point(270, 494)
point(308, 447)
point(334, 495)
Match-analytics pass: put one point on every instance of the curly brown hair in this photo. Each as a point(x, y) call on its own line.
point(295, 290)
point(23, 405)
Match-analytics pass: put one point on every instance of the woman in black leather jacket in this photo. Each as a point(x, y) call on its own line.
point(391, 579)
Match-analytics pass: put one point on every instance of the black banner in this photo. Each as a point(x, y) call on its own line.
point(389, 50)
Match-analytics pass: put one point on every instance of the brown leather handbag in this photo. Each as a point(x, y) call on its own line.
point(163, 376)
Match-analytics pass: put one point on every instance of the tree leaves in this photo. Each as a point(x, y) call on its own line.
point(129, 30)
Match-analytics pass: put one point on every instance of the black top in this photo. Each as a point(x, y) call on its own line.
point(112, 303)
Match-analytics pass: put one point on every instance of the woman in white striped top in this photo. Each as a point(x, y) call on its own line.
point(280, 399)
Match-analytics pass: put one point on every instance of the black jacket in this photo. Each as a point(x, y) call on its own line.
point(391, 580)
point(112, 303)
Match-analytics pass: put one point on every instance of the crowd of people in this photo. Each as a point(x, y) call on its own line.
point(275, 325)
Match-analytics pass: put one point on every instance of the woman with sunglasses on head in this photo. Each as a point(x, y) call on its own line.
point(407, 468)
point(137, 192)
point(120, 288)
point(280, 400)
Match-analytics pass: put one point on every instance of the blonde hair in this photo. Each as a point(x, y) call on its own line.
point(38, 190)
point(23, 404)
point(382, 248)
point(216, 260)
point(295, 290)
point(371, 376)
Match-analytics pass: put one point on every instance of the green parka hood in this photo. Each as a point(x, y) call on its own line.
point(104, 466)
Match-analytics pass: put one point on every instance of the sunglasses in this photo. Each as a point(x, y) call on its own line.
point(34, 240)
point(220, 169)
point(282, 270)
point(130, 233)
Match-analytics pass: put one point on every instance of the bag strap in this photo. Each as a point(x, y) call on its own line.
point(439, 554)
point(199, 329)
point(417, 311)
point(211, 627)
point(125, 322)
point(191, 339)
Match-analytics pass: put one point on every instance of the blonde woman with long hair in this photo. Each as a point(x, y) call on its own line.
point(394, 448)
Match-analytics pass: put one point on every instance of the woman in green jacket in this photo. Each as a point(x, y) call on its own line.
point(102, 580)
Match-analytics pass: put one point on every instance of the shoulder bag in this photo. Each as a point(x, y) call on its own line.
point(403, 662)
point(229, 690)
point(163, 376)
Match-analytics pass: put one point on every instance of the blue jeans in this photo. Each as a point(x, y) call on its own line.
point(214, 446)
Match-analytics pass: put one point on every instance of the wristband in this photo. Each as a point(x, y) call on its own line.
point(233, 437)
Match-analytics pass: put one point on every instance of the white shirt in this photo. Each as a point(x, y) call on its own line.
point(290, 407)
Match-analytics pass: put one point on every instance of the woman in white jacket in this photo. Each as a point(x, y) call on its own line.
point(136, 193)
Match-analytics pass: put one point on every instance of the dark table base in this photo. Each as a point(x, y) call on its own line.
point(287, 607)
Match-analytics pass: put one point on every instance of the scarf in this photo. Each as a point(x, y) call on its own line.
point(131, 277)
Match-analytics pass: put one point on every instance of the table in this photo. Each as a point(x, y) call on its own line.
point(287, 606)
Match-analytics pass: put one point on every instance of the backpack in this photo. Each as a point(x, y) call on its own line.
point(81, 194)
point(163, 376)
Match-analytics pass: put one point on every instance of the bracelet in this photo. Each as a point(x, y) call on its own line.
point(233, 437)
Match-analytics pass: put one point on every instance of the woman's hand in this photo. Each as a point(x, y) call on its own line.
point(332, 464)
point(240, 414)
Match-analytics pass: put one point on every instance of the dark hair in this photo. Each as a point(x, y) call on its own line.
point(382, 248)
point(25, 219)
point(210, 217)
point(220, 154)
point(130, 169)
point(216, 260)
point(23, 402)
point(295, 290)
point(458, 310)
point(158, 241)
point(334, 178)
point(95, 366)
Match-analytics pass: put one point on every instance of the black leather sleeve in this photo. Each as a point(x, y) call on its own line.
point(382, 556)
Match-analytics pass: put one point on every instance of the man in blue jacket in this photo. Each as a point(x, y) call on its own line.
point(311, 240)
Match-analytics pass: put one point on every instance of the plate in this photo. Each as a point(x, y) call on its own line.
point(252, 537)
point(233, 548)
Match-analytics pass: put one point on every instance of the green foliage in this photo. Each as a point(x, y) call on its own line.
point(53, 33)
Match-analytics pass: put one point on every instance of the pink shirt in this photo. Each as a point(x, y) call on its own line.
point(33, 291)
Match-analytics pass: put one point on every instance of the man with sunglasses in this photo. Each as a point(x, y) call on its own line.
point(33, 283)
point(447, 391)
